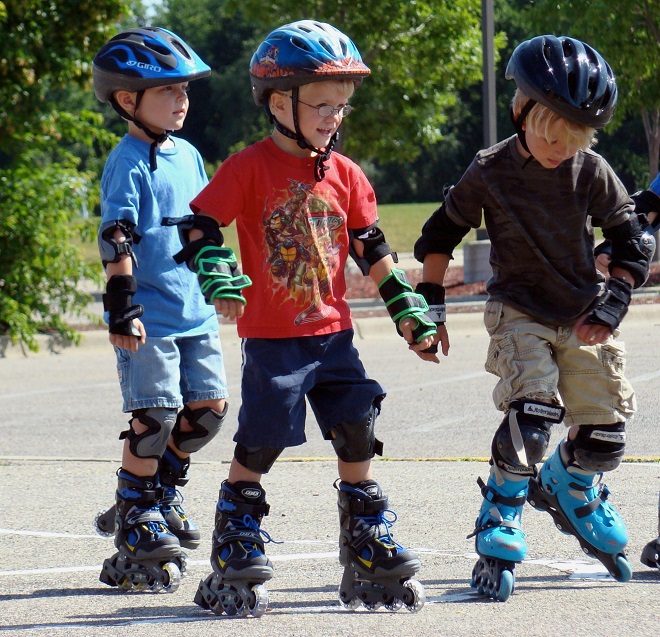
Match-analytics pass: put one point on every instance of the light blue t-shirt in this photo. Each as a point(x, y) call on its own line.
point(655, 185)
point(171, 296)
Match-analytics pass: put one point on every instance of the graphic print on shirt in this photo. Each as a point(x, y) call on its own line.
point(302, 238)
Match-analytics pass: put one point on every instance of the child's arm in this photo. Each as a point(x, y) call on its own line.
point(219, 277)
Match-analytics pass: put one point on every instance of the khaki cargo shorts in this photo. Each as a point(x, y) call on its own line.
point(551, 365)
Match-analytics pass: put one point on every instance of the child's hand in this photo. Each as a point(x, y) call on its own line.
point(229, 308)
point(127, 342)
point(603, 262)
point(590, 333)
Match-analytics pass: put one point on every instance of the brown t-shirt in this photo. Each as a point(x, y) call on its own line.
point(540, 222)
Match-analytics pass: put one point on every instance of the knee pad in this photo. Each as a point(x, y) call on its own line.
point(523, 437)
point(152, 442)
point(257, 459)
point(356, 441)
point(205, 423)
point(597, 448)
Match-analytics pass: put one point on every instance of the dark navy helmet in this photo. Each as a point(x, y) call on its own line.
point(566, 75)
point(301, 53)
point(142, 58)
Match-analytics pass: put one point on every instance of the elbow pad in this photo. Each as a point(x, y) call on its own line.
point(632, 249)
point(440, 235)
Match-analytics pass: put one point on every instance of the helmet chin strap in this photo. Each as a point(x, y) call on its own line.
point(158, 138)
point(518, 123)
point(321, 155)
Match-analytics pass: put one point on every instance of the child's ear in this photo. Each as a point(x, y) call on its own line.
point(127, 100)
point(278, 102)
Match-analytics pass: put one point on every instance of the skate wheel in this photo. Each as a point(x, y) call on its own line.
point(417, 594)
point(504, 587)
point(171, 580)
point(372, 605)
point(226, 600)
point(103, 526)
point(394, 606)
point(623, 569)
point(259, 604)
point(348, 604)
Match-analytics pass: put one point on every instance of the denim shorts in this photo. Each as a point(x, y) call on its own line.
point(279, 374)
point(172, 372)
point(551, 365)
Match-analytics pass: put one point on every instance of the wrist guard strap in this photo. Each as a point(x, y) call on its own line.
point(118, 302)
point(402, 302)
point(218, 274)
point(612, 305)
point(434, 295)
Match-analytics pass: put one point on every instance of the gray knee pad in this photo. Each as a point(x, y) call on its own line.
point(356, 441)
point(205, 423)
point(523, 437)
point(597, 448)
point(257, 459)
point(153, 441)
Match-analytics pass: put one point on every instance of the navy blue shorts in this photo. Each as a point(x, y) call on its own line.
point(278, 373)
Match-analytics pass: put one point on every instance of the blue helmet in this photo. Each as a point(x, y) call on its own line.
point(566, 75)
point(143, 58)
point(301, 53)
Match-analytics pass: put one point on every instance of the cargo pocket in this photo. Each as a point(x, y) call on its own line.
point(613, 359)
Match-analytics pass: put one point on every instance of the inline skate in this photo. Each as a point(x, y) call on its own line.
point(651, 554)
point(172, 474)
point(577, 502)
point(240, 566)
point(377, 570)
point(499, 537)
point(149, 557)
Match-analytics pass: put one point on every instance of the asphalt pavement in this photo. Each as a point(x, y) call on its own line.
point(59, 452)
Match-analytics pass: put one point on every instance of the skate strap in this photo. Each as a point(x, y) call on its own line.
point(365, 508)
point(493, 496)
point(492, 523)
point(256, 511)
point(590, 507)
point(144, 516)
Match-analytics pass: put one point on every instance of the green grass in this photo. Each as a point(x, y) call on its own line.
point(401, 224)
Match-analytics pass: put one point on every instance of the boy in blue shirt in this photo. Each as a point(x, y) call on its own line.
point(165, 336)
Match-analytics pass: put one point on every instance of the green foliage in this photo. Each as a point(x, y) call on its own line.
point(45, 48)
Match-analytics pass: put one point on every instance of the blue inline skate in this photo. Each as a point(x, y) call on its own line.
point(240, 566)
point(499, 537)
point(149, 557)
point(577, 502)
point(377, 570)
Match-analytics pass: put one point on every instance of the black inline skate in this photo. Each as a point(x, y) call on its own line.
point(172, 473)
point(651, 554)
point(377, 570)
point(149, 557)
point(240, 566)
point(577, 502)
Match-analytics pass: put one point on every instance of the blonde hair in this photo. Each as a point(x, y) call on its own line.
point(347, 86)
point(541, 118)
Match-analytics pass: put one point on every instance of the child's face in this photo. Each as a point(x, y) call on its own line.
point(315, 129)
point(549, 151)
point(164, 107)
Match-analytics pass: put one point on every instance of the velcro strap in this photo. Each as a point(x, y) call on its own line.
point(612, 305)
point(218, 274)
point(402, 302)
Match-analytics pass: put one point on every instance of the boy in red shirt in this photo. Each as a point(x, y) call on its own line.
point(299, 210)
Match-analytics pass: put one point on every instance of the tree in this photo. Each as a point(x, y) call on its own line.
point(46, 47)
point(627, 34)
point(420, 53)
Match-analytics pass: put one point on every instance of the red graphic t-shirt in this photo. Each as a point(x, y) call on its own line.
point(292, 234)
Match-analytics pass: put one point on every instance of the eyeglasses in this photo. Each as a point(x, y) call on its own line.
point(325, 110)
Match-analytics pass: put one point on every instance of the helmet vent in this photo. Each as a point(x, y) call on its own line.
point(300, 44)
point(326, 46)
point(181, 49)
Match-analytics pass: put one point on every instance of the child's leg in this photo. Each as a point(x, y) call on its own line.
point(197, 424)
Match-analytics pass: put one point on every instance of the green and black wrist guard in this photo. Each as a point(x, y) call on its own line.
point(218, 274)
point(402, 302)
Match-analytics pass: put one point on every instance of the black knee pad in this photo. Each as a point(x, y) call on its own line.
point(356, 441)
point(597, 448)
point(206, 424)
point(523, 437)
point(152, 442)
point(257, 459)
